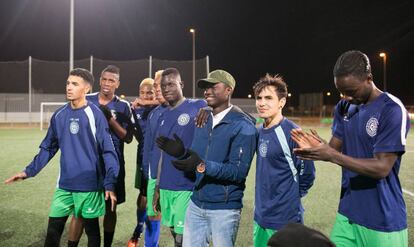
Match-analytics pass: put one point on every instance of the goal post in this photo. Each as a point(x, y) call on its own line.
point(53, 106)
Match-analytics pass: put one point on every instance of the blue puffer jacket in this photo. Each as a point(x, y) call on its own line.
point(227, 150)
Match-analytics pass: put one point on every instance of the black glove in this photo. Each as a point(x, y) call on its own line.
point(190, 163)
point(106, 111)
point(172, 147)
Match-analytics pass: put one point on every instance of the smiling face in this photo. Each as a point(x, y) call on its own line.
point(146, 92)
point(108, 82)
point(217, 94)
point(354, 89)
point(268, 103)
point(171, 87)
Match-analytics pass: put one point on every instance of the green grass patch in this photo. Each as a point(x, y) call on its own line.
point(25, 205)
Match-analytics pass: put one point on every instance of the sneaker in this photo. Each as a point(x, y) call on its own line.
point(133, 242)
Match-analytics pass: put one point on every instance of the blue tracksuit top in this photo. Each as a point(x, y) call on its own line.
point(227, 151)
point(178, 120)
point(281, 178)
point(140, 122)
point(121, 111)
point(151, 154)
point(88, 161)
point(381, 126)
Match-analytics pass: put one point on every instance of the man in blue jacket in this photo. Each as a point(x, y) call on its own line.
point(220, 156)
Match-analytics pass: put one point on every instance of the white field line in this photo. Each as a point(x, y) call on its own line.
point(408, 192)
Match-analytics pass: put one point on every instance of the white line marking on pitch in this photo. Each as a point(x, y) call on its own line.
point(408, 192)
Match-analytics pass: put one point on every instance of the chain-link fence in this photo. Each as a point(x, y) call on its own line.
point(25, 84)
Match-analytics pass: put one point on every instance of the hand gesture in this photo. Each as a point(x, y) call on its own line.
point(201, 118)
point(135, 104)
point(156, 201)
point(111, 195)
point(172, 147)
point(106, 111)
point(19, 176)
point(189, 164)
point(306, 140)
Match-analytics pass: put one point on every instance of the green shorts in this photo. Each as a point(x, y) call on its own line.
point(346, 234)
point(173, 207)
point(86, 204)
point(150, 196)
point(261, 235)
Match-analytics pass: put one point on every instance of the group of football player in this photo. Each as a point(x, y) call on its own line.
point(194, 155)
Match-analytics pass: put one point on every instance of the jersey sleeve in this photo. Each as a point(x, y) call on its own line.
point(337, 126)
point(241, 154)
point(148, 142)
point(392, 130)
point(107, 150)
point(48, 149)
point(306, 170)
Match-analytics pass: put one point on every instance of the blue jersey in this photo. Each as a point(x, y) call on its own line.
point(281, 178)
point(140, 122)
point(88, 161)
point(151, 154)
point(178, 120)
point(121, 111)
point(378, 127)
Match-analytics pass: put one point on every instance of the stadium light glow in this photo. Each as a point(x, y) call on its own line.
point(328, 94)
point(384, 69)
point(192, 31)
point(289, 95)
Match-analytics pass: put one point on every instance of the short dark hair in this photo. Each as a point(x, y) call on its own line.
point(170, 71)
point(353, 63)
point(298, 235)
point(112, 69)
point(84, 74)
point(275, 81)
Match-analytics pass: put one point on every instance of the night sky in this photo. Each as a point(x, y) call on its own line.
point(300, 40)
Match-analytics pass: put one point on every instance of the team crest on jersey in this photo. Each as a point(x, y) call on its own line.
point(139, 116)
point(263, 148)
point(372, 126)
point(74, 126)
point(183, 119)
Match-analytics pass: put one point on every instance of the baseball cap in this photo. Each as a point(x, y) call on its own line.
point(217, 76)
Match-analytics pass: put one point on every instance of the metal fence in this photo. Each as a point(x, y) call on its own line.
point(35, 77)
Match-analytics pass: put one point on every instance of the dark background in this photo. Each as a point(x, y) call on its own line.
point(299, 39)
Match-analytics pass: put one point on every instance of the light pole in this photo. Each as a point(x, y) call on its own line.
point(384, 69)
point(192, 31)
point(71, 34)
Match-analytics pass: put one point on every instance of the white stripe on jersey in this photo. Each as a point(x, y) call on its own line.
point(91, 94)
point(404, 118)
point(63, 108)
point(91, 119)
point(285, 147)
